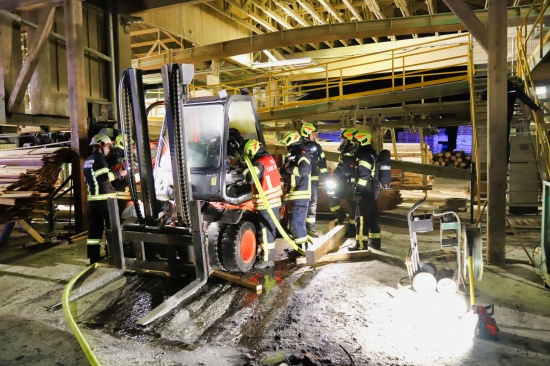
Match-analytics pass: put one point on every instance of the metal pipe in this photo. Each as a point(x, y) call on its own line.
point(112, 70)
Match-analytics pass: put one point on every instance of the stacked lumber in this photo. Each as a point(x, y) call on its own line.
point(389, 200)
point(26, 179)
point(455, 159)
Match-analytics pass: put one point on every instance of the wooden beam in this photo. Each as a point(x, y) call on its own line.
point(329, 32)
point(239, 281)
point(496, 136)
point(32, 58)
point(78, 111)
point(11, 5)
point(470, 21)
point(328, 242)
point(31, 231)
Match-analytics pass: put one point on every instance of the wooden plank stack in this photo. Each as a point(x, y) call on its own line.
point(26, 179)
point(455, 159)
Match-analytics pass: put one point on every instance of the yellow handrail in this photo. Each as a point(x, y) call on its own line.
point(475, 142)
point(399, 68)
point(523, 37)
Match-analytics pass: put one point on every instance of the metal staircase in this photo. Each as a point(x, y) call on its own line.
point(524, 183)
point(479, 138)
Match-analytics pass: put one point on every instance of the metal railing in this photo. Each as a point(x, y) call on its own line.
point(531, 39)
point(422, 64)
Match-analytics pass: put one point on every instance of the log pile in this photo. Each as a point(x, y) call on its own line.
point(26, 179)
point(455, 159)
point(389, 200)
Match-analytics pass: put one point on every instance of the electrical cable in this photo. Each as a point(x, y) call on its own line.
point(72, 324)
point(268, 207)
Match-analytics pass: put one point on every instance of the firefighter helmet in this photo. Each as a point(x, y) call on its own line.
point(363, 137)
point(290, 138)
point(101, 140)
point(348, 133)
point(252, 147)
point(307, 129)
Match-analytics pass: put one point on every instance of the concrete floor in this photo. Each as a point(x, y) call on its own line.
point(306, 313)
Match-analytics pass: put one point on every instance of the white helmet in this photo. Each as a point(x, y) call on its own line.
point(100, 139)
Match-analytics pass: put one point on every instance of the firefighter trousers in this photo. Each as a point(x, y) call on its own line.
point(367, 224)
point(312, 208)
point(269, 231)
point(98, 220)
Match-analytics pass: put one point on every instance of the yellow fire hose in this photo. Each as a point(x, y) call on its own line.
point(268, 207)
point(72, 324)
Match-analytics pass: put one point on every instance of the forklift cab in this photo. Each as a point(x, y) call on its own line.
point(207, 124)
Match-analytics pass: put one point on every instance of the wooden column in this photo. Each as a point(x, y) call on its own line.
point(10, 61)
point(496, 137)
point(74, 29)
point(31, 60)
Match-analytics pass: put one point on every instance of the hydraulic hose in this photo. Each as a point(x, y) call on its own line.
point(72, 324)
point(268, 207)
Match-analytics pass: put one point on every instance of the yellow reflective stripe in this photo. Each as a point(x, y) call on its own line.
point(300, 240)
point(93, 241)
point(335, 208)
point(298, 196)
point(366, 164)
point(272, 205)
point(111, 176)
point(303, 158)
point(311, 220)
point(375, 235)
point(361, 237)
point(274, 202)
point(362, 182)
point(351, 221)
point(314, 178)
point(101, 197)
point(361, 226)
point(322, 154)
point(245, 172)
point(97, 173)
point(352, 180)
point(295, 171)
point(323, 170)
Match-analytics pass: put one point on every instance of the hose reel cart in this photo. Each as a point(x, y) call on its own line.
point(424, 276)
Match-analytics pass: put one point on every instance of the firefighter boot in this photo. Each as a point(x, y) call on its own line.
point(93, 253)
point(311, 231)
point(358, 246)
point(375, 243)
point(270, 263)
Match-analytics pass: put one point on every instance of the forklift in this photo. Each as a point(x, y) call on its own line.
point(193, 210)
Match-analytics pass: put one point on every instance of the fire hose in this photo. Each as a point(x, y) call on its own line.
point(72, 324)
point(268, 207)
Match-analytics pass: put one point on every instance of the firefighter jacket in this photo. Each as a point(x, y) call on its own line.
point(99, 178)
point(366, 170)
point(296, 175)
point(268, 175)
point(345, 170)
point(318, 160)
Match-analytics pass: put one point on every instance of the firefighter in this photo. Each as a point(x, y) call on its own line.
point(99, 178)
point(296, 177)
point(367, 223)
point(268, 174)
point(318, 168)
point(341, 185)
point(116, 162)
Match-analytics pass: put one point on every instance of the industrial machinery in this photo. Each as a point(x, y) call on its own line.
point(192, 210)
point(424, 275)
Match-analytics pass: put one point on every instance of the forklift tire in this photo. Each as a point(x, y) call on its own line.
point(214, 233)
point(238, 247)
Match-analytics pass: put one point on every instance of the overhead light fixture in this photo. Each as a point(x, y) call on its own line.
point(290, 62)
